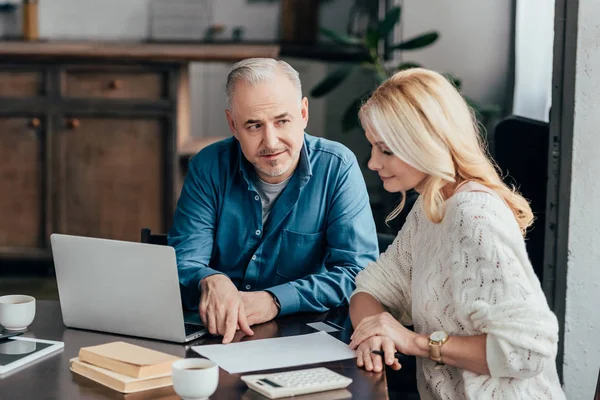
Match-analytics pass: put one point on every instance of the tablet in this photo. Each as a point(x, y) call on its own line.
point(18, 351)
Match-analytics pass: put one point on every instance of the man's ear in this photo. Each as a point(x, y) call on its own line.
point(231, 123)
point(304, 111)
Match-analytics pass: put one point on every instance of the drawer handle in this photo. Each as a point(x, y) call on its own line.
point(115, 84)
point(35, 123)
point(73, 123)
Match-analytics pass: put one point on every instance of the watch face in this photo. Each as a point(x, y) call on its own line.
point(438, 336)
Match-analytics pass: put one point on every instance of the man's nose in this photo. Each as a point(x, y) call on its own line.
point(270, 138)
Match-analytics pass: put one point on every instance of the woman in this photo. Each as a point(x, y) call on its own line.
point(458, 270)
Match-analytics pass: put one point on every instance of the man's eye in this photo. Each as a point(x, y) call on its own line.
point(253, 127)
point(283, 121)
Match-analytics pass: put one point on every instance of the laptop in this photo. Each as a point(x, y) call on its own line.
point(120, 287)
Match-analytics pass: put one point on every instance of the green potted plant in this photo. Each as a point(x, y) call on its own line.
point(374, 64)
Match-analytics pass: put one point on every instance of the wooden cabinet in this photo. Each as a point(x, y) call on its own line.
point(111, 178)
point(21, 182)
point(90, 134)
point(86, 150)
point(16, 82)
point(114, 83)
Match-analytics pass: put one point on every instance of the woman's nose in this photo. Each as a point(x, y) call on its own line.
point(373, 164)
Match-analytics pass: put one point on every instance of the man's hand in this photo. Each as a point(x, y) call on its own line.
point(221, 307)
point(260, 307)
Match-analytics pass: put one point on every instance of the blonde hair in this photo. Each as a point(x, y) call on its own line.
point(422, 118)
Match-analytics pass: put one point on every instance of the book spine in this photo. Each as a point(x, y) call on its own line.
point(112, 383)
point(110, 364)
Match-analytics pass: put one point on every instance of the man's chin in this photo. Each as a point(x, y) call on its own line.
point(274, 171)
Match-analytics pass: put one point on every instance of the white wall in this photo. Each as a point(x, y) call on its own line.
point(582, 319)
point(474, 44)
point(533, 59)
point(129, 19)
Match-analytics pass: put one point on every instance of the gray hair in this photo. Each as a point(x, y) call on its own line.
point(255, 70)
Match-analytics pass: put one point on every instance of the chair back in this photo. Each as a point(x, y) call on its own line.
point(384, 240)
point(521, 151)
point(148, 237)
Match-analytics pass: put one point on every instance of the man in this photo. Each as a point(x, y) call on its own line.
point(272, 221)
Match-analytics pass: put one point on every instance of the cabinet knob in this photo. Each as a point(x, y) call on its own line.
point(73, 123)
point(115, 84)
point(35, 123)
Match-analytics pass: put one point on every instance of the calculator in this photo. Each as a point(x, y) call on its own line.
point(294, 383)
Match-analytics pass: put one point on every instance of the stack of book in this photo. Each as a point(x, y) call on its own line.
point(124, 367)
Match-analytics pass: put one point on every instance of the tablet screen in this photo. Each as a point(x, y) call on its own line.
point(14, 350)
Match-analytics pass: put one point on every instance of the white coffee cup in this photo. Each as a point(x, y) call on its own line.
point(195, 378)
point(16, 311)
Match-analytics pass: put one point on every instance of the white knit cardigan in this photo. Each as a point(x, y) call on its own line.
point(470, 275)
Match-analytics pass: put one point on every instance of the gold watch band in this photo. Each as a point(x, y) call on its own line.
point(435, 348)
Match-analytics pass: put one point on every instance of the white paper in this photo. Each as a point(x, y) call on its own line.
point(264, 354)
point(321, 326)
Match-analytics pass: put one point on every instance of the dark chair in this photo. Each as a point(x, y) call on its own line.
point(521, 151)
point(384, 240)
point(148, 237)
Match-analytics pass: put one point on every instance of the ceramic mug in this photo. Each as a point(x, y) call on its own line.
point(195, 378)
point(16, 311)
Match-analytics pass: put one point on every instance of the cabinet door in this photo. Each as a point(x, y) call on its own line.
point(111, 179)
point(21, 180)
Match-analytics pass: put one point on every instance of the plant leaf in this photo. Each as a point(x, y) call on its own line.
point(418, 42)
point(390, 20)
point(408, 65)
point(453, 80)
point(485, 110)
point(372, 39)
point(331, 81)
point(339, 37)
point(350, 117)
point(380, 78)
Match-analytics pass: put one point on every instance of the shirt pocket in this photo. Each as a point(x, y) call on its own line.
point(301, 254)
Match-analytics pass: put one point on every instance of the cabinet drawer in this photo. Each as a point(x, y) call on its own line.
point(15, 83)
point(117, 84)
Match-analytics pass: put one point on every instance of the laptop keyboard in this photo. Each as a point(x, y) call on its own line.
point(190, 329)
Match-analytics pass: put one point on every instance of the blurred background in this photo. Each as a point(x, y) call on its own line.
point(95, 140)
point(102, 104)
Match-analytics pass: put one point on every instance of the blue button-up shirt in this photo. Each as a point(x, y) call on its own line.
point(319, 235)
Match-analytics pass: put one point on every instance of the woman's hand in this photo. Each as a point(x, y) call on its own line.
point(374, 362)
point(385, 325)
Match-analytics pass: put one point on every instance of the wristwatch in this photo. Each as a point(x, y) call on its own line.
point(276, 300)
point(436, 340)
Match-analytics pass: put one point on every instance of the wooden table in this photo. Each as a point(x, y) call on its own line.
point(50, 378)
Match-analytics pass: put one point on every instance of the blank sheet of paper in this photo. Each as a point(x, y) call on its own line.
point(264, 354)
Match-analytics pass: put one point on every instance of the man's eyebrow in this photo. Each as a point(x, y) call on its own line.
point(285, 114)
point(252, 121)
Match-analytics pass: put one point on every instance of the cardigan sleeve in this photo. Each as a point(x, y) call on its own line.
point(388, 279)
point(495, 287)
